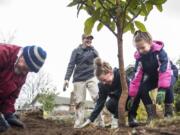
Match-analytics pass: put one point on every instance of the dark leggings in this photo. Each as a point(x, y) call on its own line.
point(143, 94)
point(112, 106)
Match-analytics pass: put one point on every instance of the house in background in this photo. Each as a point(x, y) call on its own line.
point(63, 104)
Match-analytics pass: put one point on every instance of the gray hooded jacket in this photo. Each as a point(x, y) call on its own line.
point(81, 62)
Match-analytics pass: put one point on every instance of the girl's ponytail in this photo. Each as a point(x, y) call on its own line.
point(101, 67)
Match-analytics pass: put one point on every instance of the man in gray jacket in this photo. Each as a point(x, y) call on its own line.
point(81, 65)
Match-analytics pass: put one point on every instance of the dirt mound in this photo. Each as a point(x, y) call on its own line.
point(36, 125)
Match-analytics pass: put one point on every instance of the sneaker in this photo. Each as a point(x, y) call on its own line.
point(77, 124)
point(114, 123)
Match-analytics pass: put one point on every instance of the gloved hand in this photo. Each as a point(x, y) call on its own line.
point(130, 103)
point(86, 123)
point(160, 96)
point(3, 123)
point(66, 85)
point(14, 121)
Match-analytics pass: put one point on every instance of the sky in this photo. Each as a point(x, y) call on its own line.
point(55, 27)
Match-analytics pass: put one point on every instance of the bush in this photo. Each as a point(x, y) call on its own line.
point(177, 102)
point(177, 86)
point(177, 95)
point(47, 99)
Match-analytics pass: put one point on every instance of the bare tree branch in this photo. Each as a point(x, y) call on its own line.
point(8, 38)
point(35, 84)
point(11, 36)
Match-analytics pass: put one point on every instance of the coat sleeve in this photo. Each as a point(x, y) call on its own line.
point(175, 70)
point(135, 83)
point(99, 104)
point(163, 59)
point(165, 72)
point(71, 65)
point(96, 53)
point(4, 56)
point(9, 103)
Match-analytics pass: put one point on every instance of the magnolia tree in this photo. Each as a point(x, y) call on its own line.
point(119, 16)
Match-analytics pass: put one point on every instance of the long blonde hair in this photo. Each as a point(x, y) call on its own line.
point(101, 67)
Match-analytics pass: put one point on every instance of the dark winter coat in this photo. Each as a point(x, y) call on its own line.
point(112, 91)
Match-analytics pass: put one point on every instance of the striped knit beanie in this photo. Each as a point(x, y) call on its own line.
point(34, 57)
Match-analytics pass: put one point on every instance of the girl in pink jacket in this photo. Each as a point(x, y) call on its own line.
point(153, 70)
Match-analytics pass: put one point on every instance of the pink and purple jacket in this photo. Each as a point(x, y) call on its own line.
point(164, 70)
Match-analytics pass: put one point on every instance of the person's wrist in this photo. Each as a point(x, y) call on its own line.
point(161, 90)
point(66, 81)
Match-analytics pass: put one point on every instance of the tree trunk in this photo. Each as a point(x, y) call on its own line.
point(124, 94)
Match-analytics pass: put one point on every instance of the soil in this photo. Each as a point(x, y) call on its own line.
point(36, 125)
